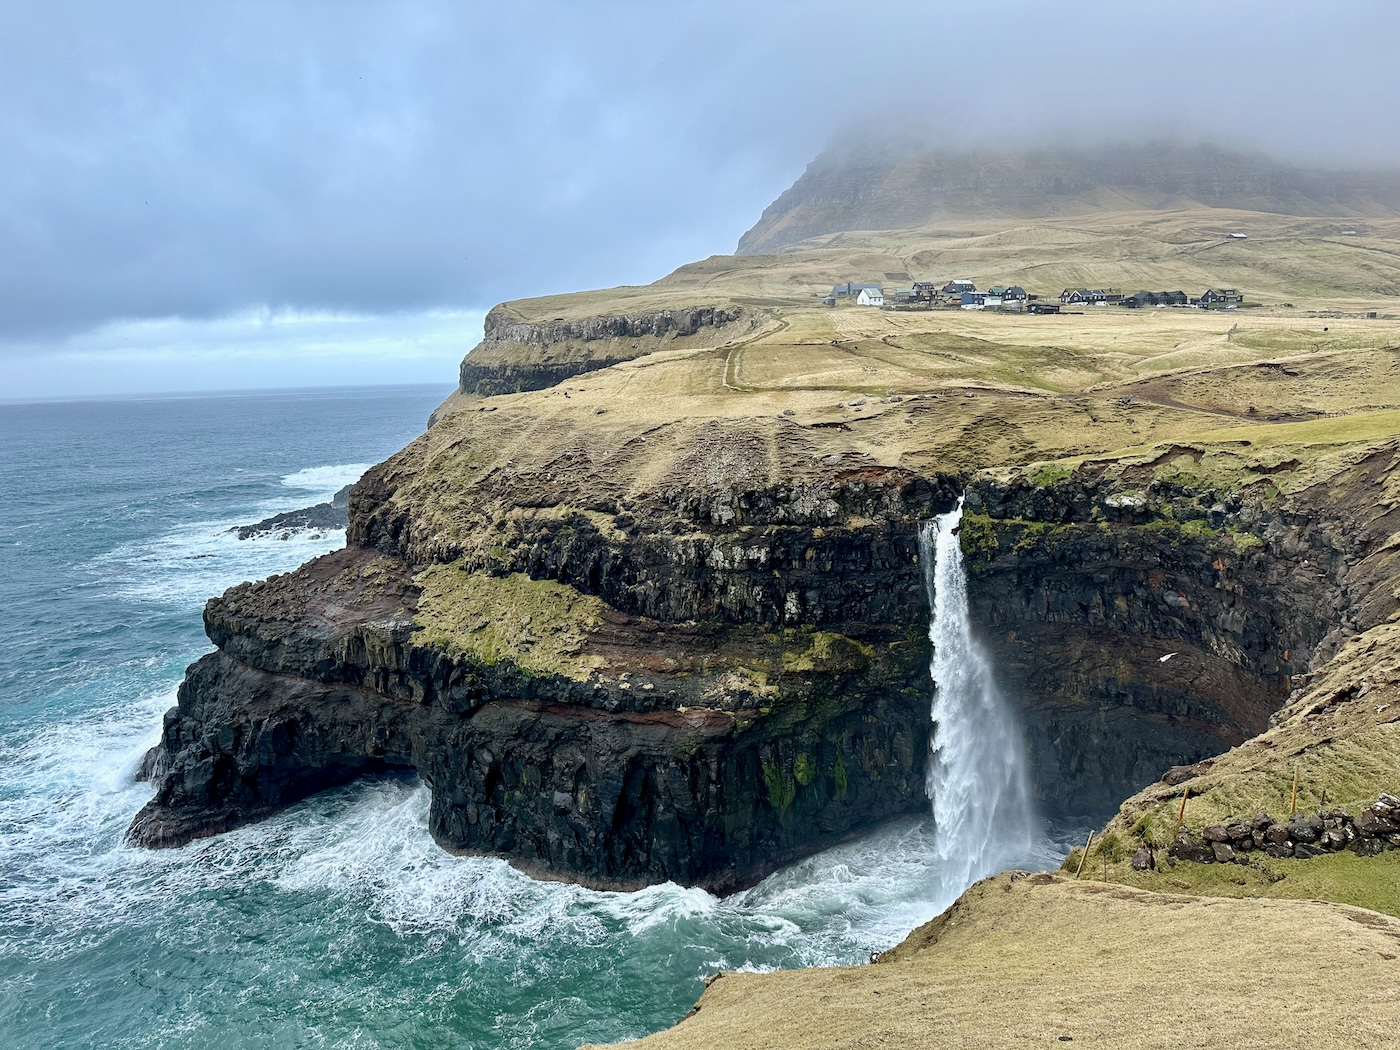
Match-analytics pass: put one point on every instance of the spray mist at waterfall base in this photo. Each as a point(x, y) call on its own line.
point(984, 818)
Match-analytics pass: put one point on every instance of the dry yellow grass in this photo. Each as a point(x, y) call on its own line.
point(1025, 961)
point(1340, 737)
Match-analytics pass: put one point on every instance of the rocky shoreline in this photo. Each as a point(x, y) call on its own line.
point(334, 514)
point(624, 645)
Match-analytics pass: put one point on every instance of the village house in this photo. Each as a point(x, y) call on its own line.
point(974, 300)
point(1043, 307)
point(850, 288)
point(1141, 299)
point(1001, 297)
point(871, 295)
point(1214, 298)
point(1090, 297)
point(957, 288)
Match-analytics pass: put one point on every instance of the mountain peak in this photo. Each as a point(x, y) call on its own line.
point(881, 186)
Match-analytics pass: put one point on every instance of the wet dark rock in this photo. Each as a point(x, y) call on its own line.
point(332, 515)
point(1240, 832)
point(1223, 853)
point(1303, 837)
point(1184, 847)
point(319, 679)
point(1303, 831)
point(1368, 846)
point(1144, 860)
point(1100, 604)
point(1368, 823)
point(1181, 774)
point(711, 776)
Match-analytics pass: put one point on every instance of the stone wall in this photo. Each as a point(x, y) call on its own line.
point(1371, 832)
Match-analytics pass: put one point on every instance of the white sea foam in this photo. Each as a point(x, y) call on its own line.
point(327, 480)
point(190, 563)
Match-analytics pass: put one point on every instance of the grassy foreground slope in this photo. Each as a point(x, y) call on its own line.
point(1032, 960)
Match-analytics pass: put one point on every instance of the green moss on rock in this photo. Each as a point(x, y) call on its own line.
point(539, 625)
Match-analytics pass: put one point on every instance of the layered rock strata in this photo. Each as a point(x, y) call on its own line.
point(673, 627)
point(1147, 624)
point(590, 699)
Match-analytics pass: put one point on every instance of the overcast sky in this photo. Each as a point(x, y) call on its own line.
point(221, 195)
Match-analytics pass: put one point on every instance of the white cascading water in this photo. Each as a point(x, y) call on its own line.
point(985, 820)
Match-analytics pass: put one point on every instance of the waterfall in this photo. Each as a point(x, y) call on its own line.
point(984, 818)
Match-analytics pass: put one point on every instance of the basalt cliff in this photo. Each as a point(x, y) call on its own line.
point(644, 602)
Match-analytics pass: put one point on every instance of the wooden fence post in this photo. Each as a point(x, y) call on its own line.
point(1084, 856)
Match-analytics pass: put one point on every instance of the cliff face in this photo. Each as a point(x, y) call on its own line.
point(516, 354)
point(701, 684)
point(887, 187)
point(1152, 624)
point(699, 707)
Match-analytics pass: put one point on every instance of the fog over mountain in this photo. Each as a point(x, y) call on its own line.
point(884, 186)
point(189, 189)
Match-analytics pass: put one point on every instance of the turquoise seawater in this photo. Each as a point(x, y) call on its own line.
point(338, 923)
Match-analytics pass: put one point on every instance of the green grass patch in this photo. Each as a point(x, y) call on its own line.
point(782, 788)
point(1344, 878)
point(825, 651)
point(1049, 473)
point(838, 776)
point(539, 625)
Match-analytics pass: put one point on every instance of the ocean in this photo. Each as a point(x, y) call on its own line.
point(338, 923)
